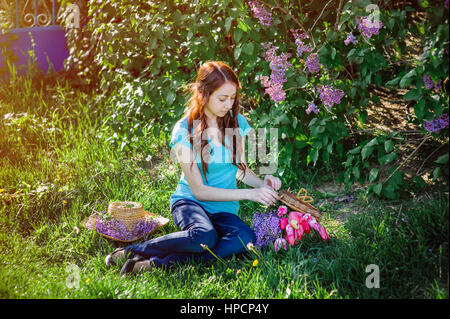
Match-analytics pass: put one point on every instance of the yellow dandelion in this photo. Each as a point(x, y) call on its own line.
point(64, 202)
point(1, 190)
point(255, 262)
point(87, 280)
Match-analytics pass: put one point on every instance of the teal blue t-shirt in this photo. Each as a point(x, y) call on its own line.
point(221, 172)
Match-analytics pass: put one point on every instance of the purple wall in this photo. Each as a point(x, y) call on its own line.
point(49, 42)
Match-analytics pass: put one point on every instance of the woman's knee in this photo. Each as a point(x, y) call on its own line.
point(202, 236)
point(247, 235)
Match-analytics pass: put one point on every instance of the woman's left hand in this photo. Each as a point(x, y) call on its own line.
point(272, 181)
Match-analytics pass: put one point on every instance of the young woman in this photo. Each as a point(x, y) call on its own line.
point(209, 145)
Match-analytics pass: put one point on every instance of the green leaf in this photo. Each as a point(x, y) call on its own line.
point(237, 35)
point(366, 151)
point(373, 175)
point(413, 95)
point(407, 79)
point(170, 98)
point(228, 22)
point(237, 52)
point(436, 173)
point(356, 172)
point(314, 156)
point(419, 109)
point(388, 158)
point(388, 146)
point(355, 150)
point(248, 48)
point(442, 159)
point(377, 188)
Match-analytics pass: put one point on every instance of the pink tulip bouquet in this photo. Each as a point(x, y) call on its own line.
point(282, 227)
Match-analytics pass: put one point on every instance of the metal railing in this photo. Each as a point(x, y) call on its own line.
point(42, 13)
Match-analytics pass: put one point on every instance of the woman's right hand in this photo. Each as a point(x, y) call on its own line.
point(264, 195)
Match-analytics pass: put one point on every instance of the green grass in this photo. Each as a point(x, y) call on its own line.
point(57, 165)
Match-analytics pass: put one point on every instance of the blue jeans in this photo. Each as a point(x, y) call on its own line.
point(224, 233)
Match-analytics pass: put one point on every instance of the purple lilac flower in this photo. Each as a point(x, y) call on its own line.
point(108, 226)
point(266, 227)
point(278, 65)
point(312, 108)
point(369, 27)
point(329, 96)
point(437, 124)
point(437, 86)
point(428, 82)
point(350, 38)
point(313, 63)
point(446, 4)
point(264, 17)
point(301, 46)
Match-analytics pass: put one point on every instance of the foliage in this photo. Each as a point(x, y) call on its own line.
point(144, 52)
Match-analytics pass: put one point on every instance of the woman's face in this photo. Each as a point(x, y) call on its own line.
point(221, 101)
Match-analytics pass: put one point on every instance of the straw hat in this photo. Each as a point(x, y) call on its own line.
point(130, 213)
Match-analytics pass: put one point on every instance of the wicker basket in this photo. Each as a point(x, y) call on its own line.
point(127, 212)
point(298, 205)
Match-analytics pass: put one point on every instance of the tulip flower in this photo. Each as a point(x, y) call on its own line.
point(280, 242)
point(323, 233)
point(282, 210)
point(299, 232)
point(290, 235)
point(283, 223)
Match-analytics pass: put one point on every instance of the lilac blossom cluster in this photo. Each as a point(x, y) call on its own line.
point(330, 96)
point(369, 27)
point(350, 38)
point(437, 124)
point(111, 227)
point(313, 63)
point(278, 65)
point(301, 46)
point(446, 4)
point(429, 83)
point(266, 227)
point(264, 17)
point(312, 108)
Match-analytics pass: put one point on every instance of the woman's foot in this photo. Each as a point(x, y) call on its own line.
point(115, 257)
point(135, 265)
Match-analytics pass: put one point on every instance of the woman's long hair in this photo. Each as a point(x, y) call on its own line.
point(210, 77)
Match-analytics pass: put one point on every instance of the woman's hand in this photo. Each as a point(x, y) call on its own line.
point(272, 181)
point(264, 195)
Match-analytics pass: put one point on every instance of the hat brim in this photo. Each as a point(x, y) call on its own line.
point(160, 220)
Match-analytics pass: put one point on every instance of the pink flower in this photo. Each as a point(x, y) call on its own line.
point(299, 232)
point(282, 210)
point(283, 223)
point(305, 225)
point(280, 242)
point(323, 233)
point(290, 235)
point(312, 222)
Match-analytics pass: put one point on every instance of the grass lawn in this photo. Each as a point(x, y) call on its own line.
point(57, 165)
